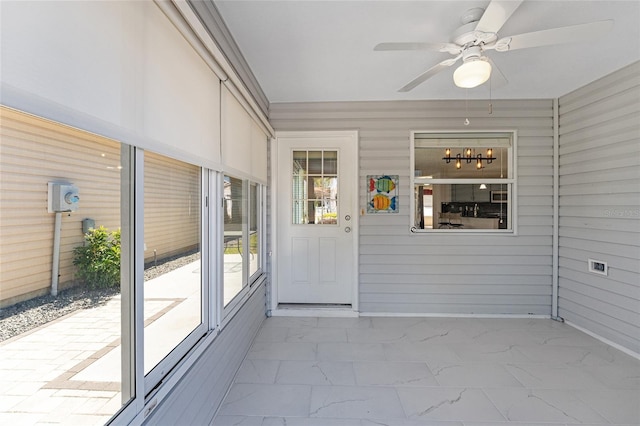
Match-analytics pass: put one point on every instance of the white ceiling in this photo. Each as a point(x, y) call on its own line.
point(310, 51)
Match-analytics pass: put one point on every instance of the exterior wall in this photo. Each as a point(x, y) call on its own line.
point(196, 398)
point(600, 206)
point(435, 273)
point(172, 203)
point(34, 151)
point(123, 70)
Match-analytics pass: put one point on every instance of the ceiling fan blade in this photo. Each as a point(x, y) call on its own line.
point(571, 34)
point(496, 15)
point(429, 73)
point(438, 47)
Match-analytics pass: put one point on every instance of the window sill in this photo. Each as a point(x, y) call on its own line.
point(461, 231)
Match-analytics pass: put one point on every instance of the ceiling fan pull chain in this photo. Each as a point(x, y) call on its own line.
point(490, 99)
point(466, 107)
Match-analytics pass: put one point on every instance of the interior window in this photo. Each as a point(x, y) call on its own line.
point(463, 181)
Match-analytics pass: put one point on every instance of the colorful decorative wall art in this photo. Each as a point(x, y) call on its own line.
point(382, 194)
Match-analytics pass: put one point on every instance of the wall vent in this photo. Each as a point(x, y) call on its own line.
point(598, 267)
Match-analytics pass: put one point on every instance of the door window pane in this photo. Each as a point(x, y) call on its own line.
point(315, 162)
point(315, 187)
point(330, 165)
point(172, 276)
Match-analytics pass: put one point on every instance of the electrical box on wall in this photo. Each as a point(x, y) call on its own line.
point(87, 225)
point(63, 197)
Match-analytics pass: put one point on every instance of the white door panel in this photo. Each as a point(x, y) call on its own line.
point(316, 199)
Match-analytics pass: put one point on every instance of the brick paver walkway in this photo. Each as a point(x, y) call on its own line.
point(69, 370)
point(37, 370)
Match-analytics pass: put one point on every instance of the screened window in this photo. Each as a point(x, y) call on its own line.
point(135, 249)
point(78, 347)
point(254, 229)
point(463, 181)
point(243, 229)
point(173, 289)
point(235, 219)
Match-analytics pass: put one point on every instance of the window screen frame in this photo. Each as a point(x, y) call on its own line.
point(249, 281)
point(510, 180)
point(164, 367)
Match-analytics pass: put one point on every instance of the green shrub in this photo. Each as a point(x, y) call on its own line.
point(98, 261)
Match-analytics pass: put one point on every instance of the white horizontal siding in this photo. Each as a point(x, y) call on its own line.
point(484, 274)
point(600, 206)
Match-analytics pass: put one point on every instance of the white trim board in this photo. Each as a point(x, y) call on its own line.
point(605, 341)
point(438, 315)
point(329, 312)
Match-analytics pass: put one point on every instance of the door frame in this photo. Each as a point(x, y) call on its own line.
point(272, 304)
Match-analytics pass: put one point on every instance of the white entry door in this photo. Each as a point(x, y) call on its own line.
point(316, 209)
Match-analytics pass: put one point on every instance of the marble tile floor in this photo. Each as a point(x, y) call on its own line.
point(430, 371)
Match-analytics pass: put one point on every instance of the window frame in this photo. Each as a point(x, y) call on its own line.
point(249, 281)
point(239, 296)
point(163, 368)
point(260, 222)
point(141, 392)
point(510, 181)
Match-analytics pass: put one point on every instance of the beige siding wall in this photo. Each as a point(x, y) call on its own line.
point(171, 206)
point(35, 151)
point(600, 206)
point(435, 273)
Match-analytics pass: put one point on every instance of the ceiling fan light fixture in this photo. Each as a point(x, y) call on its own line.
point(472, 73)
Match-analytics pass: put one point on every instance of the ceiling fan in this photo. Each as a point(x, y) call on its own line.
point(479, 33)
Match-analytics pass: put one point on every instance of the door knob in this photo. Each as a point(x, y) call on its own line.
point(347, 229)
point(347, 217)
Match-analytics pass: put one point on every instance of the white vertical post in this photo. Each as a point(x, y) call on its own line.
point(556, 209)
point(56, 254)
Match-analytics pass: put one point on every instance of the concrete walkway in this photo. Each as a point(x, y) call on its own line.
point(69, 370)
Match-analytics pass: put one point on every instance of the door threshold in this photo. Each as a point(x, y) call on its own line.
point(313, 310)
